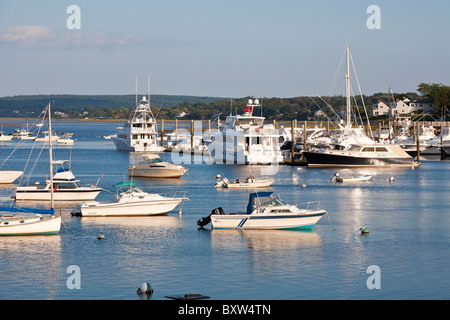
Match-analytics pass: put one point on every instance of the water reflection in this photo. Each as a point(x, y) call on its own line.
point(31, 263)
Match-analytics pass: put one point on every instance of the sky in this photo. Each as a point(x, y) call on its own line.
point(283, 48)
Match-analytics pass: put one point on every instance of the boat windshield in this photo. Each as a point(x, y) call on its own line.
point(274, 202)
point(151, 161)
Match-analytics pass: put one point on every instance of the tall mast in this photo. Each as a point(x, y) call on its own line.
point(347, 86)
point(50, 154)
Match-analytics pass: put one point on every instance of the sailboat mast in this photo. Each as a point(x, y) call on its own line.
point(50, 153)
point(347, 86)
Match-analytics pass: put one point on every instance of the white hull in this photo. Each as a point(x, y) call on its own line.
point(35, 226)
point(124, 145)
point(6, 138)
point(156, 172)
point(223, 153)
point(245, 221)
point(33, 193)
point(249, 185)
point(135, 208)
point(8, 176)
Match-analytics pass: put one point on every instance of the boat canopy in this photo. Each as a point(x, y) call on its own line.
point(123, 184)
point(257, 199)
point(28, 210)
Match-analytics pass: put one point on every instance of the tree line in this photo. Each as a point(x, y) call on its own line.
point(203, 108)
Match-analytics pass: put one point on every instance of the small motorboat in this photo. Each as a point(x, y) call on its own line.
point(264, 211)
point(130, 201)
point(250, 182)
point(154, 167)
point(363, 177)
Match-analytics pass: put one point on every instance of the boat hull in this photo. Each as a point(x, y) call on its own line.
point(135, 208)
point(8, 176)
point(321, 159)
point(247, 185)
point(124, 145)
point(156, 172)
point(254, 221)
point(33, 193)
point(39, 226)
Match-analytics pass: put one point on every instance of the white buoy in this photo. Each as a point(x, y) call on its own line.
point(391, 179)
point(303, 185)
point(145, 288)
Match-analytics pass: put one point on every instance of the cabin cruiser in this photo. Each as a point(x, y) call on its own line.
point(139, 134)
point(130, 201)
point(374, 155)
point(245, 139)
point(154, 167)
point(265, 211)
point(65, 187)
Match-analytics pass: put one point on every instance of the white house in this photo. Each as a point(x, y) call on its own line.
point(380, 108)
point(423, 104)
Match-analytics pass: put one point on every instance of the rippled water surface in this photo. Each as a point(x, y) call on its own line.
point(408, 221)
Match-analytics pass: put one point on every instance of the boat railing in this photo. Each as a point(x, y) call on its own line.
point(310, 205)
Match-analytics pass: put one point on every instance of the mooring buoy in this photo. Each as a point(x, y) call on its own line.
point(364, 230)
point(145, 288)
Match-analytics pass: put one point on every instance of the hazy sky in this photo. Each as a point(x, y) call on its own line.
point(282, 48)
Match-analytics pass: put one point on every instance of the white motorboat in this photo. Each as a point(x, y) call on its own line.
point(65, 187)
point(46, 137)
point(439, 144)
point(132, 202)
point(139, 134)
point(8, 176)
point(4, 137)
point(362, 177)
point(154, 167)
point(31, 221)
point(264, 211)
point(245, 139)
point(250, 182)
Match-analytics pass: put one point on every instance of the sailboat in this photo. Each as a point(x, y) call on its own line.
point(356, 151)
point(31, 221)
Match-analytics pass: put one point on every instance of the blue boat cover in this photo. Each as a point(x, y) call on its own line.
point(28, 210)
point(254, 195)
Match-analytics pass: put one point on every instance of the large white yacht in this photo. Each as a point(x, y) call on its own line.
point(245, 139)
point(139, 134)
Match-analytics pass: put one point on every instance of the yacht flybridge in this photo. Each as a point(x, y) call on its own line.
point(245, 139)
point(139, 134)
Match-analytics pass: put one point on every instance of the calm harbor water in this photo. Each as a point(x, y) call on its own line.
point(408, 241)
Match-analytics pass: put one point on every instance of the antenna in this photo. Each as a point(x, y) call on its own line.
point(148, 83)
point(136, 93)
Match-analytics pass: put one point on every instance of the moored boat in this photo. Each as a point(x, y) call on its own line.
point(64, 185)
point(264, 211)
point(131, 202)
point(363, 177)
point(250, 182)
point(154, 167)
point(8, 176)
